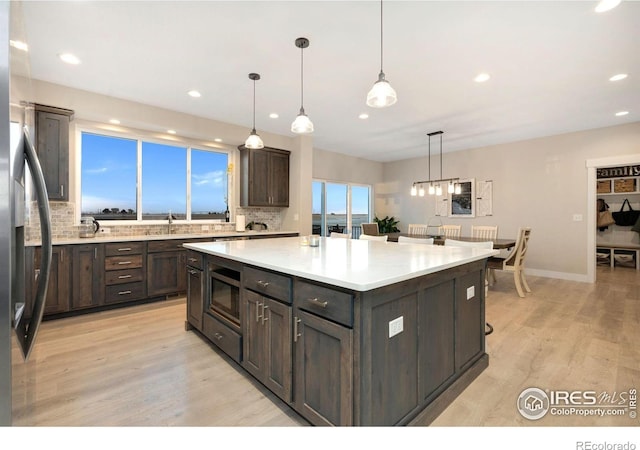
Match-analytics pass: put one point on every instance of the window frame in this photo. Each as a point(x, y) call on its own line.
point(323, 203)
point(141, 136)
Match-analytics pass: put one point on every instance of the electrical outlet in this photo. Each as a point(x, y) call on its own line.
point(471, 292)
point(205, 227)
point(577, 217)
point(396, 326)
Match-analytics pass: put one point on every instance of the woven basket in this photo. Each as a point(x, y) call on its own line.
point(624, 185)
point(604, 187)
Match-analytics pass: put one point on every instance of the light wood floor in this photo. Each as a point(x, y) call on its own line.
point(139, 367)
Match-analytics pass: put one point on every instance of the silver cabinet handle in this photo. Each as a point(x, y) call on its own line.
point(124, 263)
point(193, 259)
point(318, 302)
point(124, 292)
point(258, 317)
point(296, 335)
point(218, 336)
point(122, 277)
point(62, 190)
point(264, 316)
point(264, 284)
point(193, 272)
point(125, 249)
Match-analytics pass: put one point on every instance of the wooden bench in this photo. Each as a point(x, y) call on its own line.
point(611, 249)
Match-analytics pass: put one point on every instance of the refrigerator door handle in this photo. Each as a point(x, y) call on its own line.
point(28, 332)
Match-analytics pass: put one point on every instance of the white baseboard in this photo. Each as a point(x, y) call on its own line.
point(560, 275)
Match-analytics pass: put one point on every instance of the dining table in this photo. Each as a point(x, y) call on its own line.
point(498, 244)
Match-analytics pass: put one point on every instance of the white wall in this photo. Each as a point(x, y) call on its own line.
point(539, 183)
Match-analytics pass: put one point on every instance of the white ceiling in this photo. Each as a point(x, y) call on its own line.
point(549, 64)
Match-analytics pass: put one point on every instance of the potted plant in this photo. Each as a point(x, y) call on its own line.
point(387, 225)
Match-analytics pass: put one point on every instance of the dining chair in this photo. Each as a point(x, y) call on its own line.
point(515, 261)
point(368, 237)
point(484, 232)
point(412, 240)
point(417, 229)
point(340, 235)
point(451, 231)
point(370, 229)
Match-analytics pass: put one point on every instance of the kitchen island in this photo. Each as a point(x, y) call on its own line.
point(350, 332)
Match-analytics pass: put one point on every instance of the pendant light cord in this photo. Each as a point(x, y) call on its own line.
point(429, 159)
point(381, 32)
point(302, 78)
point(441, 156)
point(254, 105)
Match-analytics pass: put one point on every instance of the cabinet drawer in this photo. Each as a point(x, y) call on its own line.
point(163, 246)
point(124, 248)
point(325, 302)
point(224, 337)
point(125, 292)
point(194, 259)
point(267, 283)
point(123, 262)
point(123, 276)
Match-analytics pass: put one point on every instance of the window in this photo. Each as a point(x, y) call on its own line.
point(134, 179)
point(340, 207)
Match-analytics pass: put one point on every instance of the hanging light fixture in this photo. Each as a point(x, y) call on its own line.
point(381, 94)
point(302, 124)
point(435, 186)
point(254, 141)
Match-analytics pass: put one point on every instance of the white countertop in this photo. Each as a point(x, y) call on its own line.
point(107, 237)
point(349, 263)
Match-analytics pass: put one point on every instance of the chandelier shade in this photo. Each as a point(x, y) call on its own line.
point(435, 186)
point(254, 141)
point(381, 94)
point(302, 124)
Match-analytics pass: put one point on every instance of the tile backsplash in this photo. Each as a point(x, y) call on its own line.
point(64, 227)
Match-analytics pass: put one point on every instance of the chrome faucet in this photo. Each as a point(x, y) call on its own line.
point(170, 222)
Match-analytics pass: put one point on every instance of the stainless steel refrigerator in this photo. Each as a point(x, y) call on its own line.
point(18, 165)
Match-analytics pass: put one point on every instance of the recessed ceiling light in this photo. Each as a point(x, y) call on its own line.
point(274, 115)
point(218, 140)
point(69, 58)
point(622, 113)
point(606, 5)
point(19, 45)
point(171, 131)
point(363, 116)
point(481, 77)
point(618, 77)
point(194, 94)
point(114, 121)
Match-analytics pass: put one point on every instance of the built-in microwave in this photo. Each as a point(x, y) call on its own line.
point(225, 294)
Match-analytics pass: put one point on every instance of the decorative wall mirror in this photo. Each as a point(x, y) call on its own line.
point(464, 203)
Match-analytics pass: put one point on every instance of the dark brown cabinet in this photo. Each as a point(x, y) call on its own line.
point(264, 177)
point(59, 288)
point(52, 147)
point(195, 289)
point(124, 272)
point(166, 268)
point(323, 370)
point(267, 342)
point(87, 276)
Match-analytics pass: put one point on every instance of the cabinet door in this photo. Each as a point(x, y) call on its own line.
point(166, 273)
point(59, 288)
point(277, 348)
point(195, 296)
point(88, 276)
point(52, 146)
point(279, 182)
point(259, 178)
point(323, 370)
point(469, 320)
point(253, 333)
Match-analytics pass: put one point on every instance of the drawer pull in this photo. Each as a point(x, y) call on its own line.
point(320, 303)
point(124, 292)
point(218, 336)
point(124, 263)
point(193, 272)
point(264, 284)
point(296, 335)
point(258, 316)
point(264, 316)
point(125, 249)
point(122, 277)
point(193, 259)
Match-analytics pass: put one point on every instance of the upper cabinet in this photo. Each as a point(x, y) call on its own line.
point(52, 147)
point(264, 177)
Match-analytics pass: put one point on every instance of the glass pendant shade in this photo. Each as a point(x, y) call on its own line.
point(254, 141)
point(432, 189)
point(414, 190)
point(450, 187)
point(438, 190)
point(381, 94)
point(458, 189)
point(302, 124)
point(421, 191)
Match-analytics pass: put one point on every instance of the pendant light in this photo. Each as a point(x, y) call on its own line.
point(254, 141)
point(381, 94)
point(435, 186)
point(302, 124)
